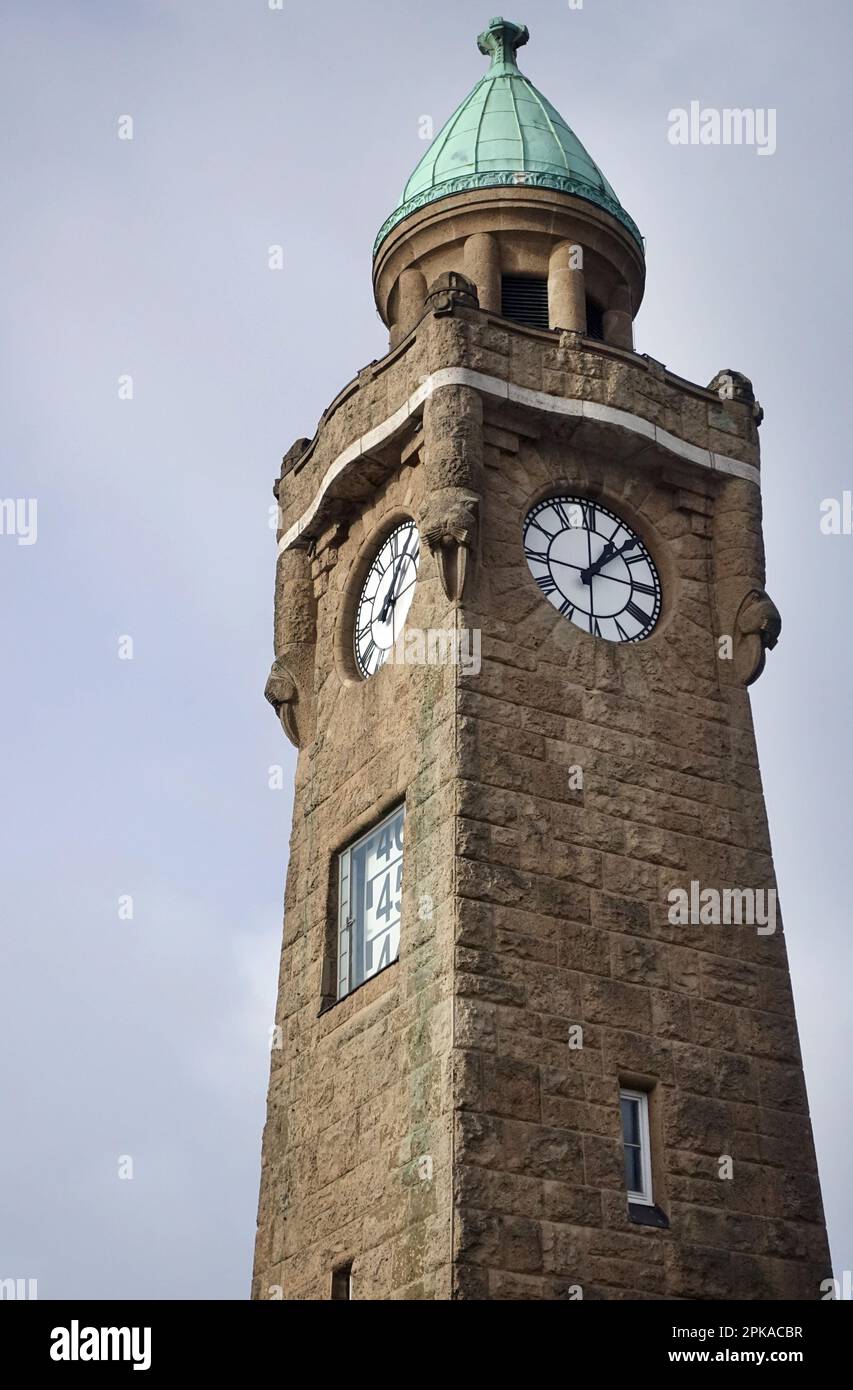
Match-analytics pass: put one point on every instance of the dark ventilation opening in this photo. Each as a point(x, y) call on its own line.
point(594, 320)
point(524, 299)
point(342, 1283)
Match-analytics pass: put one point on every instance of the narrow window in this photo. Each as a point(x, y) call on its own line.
point(594, 320)
point(638, 1156)
point(342, 1283)
point(524, 299)
point(370, 886)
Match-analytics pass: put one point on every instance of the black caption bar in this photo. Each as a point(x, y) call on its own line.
point(148, 1340)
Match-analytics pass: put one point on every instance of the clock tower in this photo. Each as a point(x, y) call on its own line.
point(535, 1035)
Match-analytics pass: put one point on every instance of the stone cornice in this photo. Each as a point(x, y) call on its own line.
point(516, 395)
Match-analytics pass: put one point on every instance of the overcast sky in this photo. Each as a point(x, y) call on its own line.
point(147, 1038)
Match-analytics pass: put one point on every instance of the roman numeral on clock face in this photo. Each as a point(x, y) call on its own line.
point(588, 517)
point(568, 519)
point(546, 583)
point(637, 613)
point(643, 588)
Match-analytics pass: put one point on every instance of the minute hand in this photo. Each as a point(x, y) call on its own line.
point(391, 596)
point(608, 553)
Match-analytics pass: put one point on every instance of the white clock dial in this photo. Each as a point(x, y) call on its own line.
point(385, 598)
point(592, 567)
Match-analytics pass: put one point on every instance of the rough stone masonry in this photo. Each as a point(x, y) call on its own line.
point(451, 1128)
point(549, 903)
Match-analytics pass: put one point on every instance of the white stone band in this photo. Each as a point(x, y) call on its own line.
point(520, 395)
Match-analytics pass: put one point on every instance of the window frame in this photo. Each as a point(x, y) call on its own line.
point(346, 928)
point(644, 1198)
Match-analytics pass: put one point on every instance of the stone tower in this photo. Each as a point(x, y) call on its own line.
point(535, 1034)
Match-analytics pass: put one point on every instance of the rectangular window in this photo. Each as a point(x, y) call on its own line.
point(370, 885)
point(638, 1154)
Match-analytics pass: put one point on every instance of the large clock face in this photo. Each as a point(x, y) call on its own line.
point(385, 598)
point(592, 567)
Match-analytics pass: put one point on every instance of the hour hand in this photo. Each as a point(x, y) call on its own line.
point(390, 597)
point(608, 553)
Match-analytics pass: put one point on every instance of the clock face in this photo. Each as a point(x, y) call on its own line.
point(385, 598)
point(593, 568)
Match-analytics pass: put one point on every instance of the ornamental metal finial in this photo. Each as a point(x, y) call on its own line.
point(500, 41)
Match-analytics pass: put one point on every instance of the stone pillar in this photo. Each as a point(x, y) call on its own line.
point(483, 266)
point(411, 293)
point(748, 619)
point(452, 461)
point(290, 685)
point(618, 322)
point(566, 288)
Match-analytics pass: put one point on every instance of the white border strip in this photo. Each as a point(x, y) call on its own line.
point(520, 395)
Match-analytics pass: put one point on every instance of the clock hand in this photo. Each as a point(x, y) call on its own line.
point(391, 597)
point(608, 553)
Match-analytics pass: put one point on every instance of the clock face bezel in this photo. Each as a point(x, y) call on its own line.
point(638, 568)
point(368, 587)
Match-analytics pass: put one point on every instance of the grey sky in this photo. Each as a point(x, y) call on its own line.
point(149, 777)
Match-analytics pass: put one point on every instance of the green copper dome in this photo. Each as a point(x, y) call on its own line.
point(505, 133)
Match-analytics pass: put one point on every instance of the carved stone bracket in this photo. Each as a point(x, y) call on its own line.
point(282, 693)
point(290, 685)
point(757, 627)
point(448, 524)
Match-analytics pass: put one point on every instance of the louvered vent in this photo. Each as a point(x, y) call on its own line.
point(524, 299)
point(594, 321)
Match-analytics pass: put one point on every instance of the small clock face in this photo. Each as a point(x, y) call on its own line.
point(385, 598)
point(592, 567)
